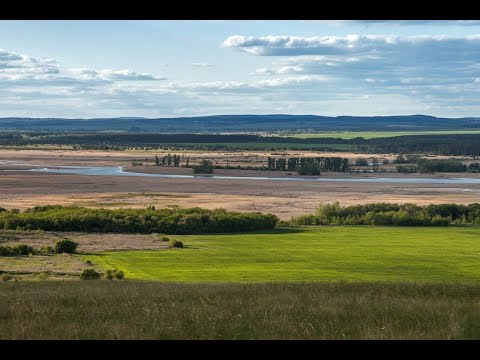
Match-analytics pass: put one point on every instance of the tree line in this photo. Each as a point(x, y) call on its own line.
point(392, 214)
point(415, 163)
point(309, 165)
point(167, 220)
point(447, 144)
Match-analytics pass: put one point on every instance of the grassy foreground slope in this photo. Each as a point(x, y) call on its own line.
point(144, 310)
point(333, 253)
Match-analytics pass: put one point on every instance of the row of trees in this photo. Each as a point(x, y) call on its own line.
point(392, 214)
point(166, 221)
point(307, 165)
point(169, 160)
point(417, 164)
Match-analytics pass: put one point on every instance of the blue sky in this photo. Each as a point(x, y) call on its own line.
point(187, 68)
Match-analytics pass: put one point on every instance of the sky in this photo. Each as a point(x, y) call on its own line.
point(87, 69)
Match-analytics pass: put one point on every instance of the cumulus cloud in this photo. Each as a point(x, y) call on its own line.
point(390, 60)
point(437, 70)
point(280, 71)
point(202, 64)
point(354, 44)
point(12, 62)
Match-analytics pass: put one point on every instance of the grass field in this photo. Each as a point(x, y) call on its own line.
point(379, 134)
point(146, 310)
point(310, 254)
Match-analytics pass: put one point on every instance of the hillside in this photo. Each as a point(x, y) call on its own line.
point(231, 123)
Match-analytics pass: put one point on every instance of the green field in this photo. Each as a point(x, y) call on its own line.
point(378, 134)
point(360, 253)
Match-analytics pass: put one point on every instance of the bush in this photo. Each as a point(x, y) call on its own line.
point(114, 274)
point(88, 262)
point(205, 167)
point(361, 162)
point(23, 249)
point(65, 246)
point(176, 243)
point(46, 250)
point(89, 274)
point(6, 251)
point(162, 237)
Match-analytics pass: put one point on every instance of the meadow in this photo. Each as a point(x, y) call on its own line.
point(328, 253)
point(154, 310)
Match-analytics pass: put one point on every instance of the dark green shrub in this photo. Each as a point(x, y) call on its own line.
point(23, 249)
point(114, 274)
point(309, 168)
point(6, 251)
point(89, 274)
point(162, 237)
point(65, 246)
point(119, 275)
point(176, 243)
point(361, 162)
point(205, 167)
point(88, 262)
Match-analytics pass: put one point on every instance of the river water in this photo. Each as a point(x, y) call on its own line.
point(118, 171)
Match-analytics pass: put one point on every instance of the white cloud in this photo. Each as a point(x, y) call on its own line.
point(250, 86)
point(202, 64)
point(113, 75)
point(355, 44)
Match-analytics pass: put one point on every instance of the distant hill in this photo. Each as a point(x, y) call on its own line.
point(235, 123)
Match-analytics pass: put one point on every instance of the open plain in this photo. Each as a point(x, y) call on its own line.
point(20, 189)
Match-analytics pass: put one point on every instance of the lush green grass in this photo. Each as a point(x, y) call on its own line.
point(102, 309)
point(379, 134)
point(311, 254)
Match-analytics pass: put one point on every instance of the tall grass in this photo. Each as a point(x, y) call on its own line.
point(145, 310)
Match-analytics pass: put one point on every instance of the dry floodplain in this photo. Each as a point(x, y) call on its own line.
point(19, 189)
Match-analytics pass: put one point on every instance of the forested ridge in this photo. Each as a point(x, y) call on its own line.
point(453, 144)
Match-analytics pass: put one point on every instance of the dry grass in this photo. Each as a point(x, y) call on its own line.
point(143, 310)
point(88, 242)
point(58, 264)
